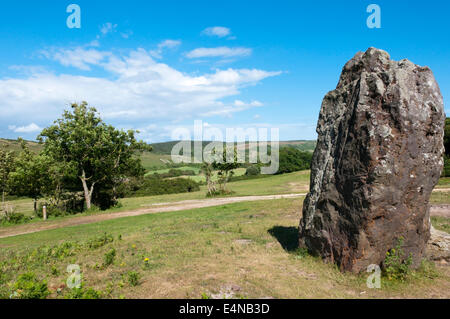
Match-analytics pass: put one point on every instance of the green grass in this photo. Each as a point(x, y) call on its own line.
point(440, 198)
point(441, 223)
point(251, 244)
point(444, 182)
point(182, 168)
point(151, 160)
point(201, 178)
point(296, 182)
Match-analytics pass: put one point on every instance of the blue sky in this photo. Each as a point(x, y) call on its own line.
point(159, 65)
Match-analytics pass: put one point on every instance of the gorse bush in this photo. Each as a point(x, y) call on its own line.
point(153, 185)
point(396, 265)
point(28, 286)
point(175, 173)
point(109, 257)
point(252, 170)
point(83, 293)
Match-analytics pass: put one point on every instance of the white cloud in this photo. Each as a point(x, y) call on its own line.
point(217, 31)
point(166, 44)
point(224, 52)
point(108, 27)
point(237, 106)
point(136, 89)
point(31, 128)
point(79, 57)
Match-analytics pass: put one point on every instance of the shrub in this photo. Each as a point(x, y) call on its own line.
point(68, 203)
point(176, 173)
point(133, 278)
point(53, 211)
point(14, 218)
point(152, 185)
point(108, 259)
point(252, 170)
point(28, 286)
point(83, 293)
point(396, 266)
point(100, 241)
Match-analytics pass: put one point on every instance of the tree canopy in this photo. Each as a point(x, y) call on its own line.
point(99, 153)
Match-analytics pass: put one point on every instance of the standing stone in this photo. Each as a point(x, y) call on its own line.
point(378, 157)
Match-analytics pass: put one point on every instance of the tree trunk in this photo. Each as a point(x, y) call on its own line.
point(35, 206)
point(87, 192)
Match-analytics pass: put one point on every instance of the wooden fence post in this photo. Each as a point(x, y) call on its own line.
point(44, 212)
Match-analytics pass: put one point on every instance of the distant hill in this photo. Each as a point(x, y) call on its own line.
point(164, 148)
point(14, 145)
point(302, 145)
point(161, 151)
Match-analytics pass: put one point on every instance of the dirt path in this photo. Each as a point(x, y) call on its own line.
point(153, 208)
point(436, 210)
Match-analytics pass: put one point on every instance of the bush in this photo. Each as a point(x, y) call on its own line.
point(69, 203)
point(397, 267)
point(176, 173)
point(83, 293)
point(152, 185)
point(108, 259)
point(10, 217)
point(252, 170)
point(100, 241)
point(52, 211)
point(28, 286)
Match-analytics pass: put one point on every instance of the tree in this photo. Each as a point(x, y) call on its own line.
point(208, 170)
point(99, 153)
point(225, 170)
point(31, 176)
point(6, 167)
point(292, 160)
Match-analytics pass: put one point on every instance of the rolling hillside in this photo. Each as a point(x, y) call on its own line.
point(161, 151)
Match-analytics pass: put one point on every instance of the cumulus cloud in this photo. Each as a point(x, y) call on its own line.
point(79, 57)
point(135, 89)
point(237, 106)
point(223, 52)
point(31, 128)
point(217, 31)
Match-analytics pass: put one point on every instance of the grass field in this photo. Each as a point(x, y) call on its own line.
point(245, 250)
point(240, 250)
point(296, 182)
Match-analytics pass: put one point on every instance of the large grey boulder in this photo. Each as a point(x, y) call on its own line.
point(378, 157)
